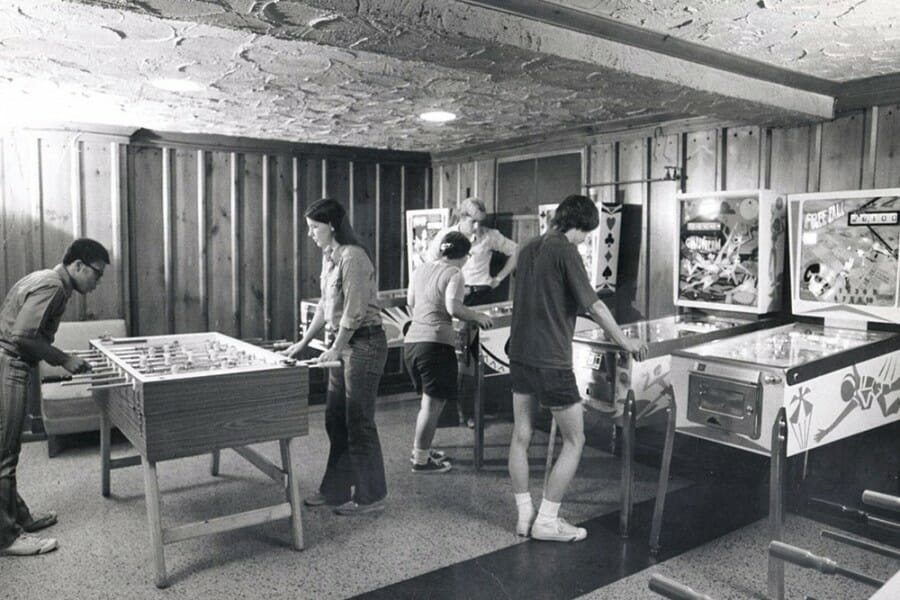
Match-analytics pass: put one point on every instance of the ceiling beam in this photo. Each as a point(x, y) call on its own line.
point(625, 33)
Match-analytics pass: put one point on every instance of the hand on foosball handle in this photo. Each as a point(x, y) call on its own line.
point(76, 364)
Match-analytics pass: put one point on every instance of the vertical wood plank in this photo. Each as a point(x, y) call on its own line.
point(100, 214)
point(365, 184)
point(449, 185)
point(661, 226)
point(602, 162)
point(870, 143)
point(145, 210)
point(701, 162)
point(842, 150)
point(887, 150)
point(252, 248)
point(790, 159)
point(742, 165)
point(308, 186)
point(284, 251)
point(631, 292)
point(390, 266)
point(467, 184)
point(337, 180)
point(187, 302)
point(218, 235)
point(168, 292)
point(235, 166)
point(57, 222)
point(5, 284)
point(485, 183)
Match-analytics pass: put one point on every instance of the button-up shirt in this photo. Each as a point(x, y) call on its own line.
point(477, 270)
point(33, 308)
point(349, 290)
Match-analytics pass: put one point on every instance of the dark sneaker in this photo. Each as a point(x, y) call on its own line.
point(29, 545)
point(352, 508)
point(432, 466)
point(39, 521)
point(435, 455)
point(317, 499)
point(558, 530)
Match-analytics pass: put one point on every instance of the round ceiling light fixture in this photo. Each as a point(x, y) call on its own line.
point(171, 84)
point(437, 116)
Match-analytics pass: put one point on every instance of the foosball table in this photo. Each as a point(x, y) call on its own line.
point(175, 396)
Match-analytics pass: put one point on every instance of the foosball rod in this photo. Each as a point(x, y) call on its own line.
point(806, 559)
point(109, 386)
point(860, 516)
point(864, 544)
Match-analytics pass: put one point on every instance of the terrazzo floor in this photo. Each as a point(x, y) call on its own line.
point(432, 523)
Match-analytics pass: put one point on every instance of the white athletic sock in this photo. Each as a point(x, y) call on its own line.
point(524, 505)
point(421, 456)
point(549, 511)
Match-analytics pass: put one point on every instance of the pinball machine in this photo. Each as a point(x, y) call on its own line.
point(175, 396)
point(731, 230)
point(787, 390)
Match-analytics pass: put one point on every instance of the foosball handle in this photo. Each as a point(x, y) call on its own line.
point(669, 588)
point(879, 500)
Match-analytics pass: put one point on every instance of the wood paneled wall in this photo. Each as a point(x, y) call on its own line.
point(858, 150)
point(202, 237)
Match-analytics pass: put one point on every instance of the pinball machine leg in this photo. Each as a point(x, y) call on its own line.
point(293, 494)
point(550, 443)
point(663, 487)
point(627, 464)
point(151, 492)
point(105, 465)
point(776, 503)
point(214, 462)
point(478, 432)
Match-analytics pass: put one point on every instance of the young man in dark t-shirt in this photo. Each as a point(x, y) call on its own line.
point(552, 288)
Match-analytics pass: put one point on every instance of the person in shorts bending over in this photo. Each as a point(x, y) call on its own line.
point(552, 288)
point(435, 296)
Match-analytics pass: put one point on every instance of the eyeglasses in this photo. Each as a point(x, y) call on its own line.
point(97, 272)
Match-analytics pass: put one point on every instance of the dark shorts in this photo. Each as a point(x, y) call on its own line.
point(554, 388)
point(432, 368)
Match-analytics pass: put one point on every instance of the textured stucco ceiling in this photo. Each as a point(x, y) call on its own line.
point(357, 73)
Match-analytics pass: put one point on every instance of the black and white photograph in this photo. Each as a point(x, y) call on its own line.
point(450, 299)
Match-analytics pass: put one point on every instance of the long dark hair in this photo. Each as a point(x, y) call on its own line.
point(330, 211)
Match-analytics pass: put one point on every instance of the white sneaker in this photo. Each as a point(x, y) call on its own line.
point(29, 545)
point(558, 530)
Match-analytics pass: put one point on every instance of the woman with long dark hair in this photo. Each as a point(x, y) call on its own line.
point(354, 479)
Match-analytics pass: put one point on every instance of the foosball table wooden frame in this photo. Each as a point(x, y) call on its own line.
point(186, 414)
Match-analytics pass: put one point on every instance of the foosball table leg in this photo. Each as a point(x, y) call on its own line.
point(293, 494)
point(151, 492)
point(214, 463)
point(105, 434)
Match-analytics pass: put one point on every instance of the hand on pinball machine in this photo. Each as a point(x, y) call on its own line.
point(637, 348)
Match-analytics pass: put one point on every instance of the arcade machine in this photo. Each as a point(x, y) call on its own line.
point(722, 238)
point(786, 390)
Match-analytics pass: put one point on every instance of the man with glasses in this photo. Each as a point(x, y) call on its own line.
point(29, 318)
point(479, 283)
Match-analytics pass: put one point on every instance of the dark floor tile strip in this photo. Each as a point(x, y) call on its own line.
point(551, 571)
